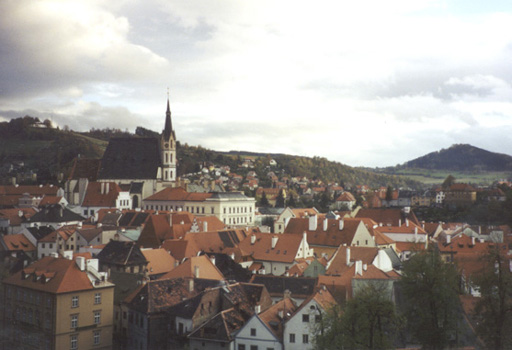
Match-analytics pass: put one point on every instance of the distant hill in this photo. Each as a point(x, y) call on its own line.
point(462, 157)
point(49, 151)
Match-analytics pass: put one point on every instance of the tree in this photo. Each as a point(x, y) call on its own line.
point(280, 200)
point(291, 202)
point(494, 308)
point(448, 182)
point(368, 321)
point(389, 194)
point(264, 201)
point(430, 289)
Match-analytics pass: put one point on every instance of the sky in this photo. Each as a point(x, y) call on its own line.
point(365, 83)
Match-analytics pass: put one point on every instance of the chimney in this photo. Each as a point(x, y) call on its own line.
point(257, 309)
point(196, 271)
point(253, 238)
point(472, 240)
point(102, 188)
point(399, 222)
point(348, 256)
point(359, 267)
point(107, 187)
point(280, 313)
point(274, 241)
point(407, 222)
point(205, 226)
point(68, 254)
point(232, 256)
point(54, 255)
point(326, 224)
point(79, 225)
point(313, 222)
point(212, 259)
point(416, 234)
point(365, 267)
point(342, 224)
point(80, 262)
point(448, 239)
point(479, 230)
point(191, 285)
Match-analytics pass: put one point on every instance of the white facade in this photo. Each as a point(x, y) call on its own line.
point(255, 333)
point(299, 329)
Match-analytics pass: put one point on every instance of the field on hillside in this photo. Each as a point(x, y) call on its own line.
point(432, 177)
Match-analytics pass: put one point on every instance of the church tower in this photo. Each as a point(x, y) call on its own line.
point(168, 148)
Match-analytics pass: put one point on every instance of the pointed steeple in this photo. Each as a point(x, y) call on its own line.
point(168, 131)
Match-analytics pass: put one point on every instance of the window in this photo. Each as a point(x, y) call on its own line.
point(241, 346)
point(96, 338)
point(74, 342)
point(74, 301)
point(74, 321)
point(305, 318)
point(292, 337)
point(43, 246)
point(253, 332)
point(254, 347)
point(97, 317)
point(97, 298)
point(305, 338)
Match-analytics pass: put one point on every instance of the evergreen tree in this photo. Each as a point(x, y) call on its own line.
point(264, 201)
point(280, 200)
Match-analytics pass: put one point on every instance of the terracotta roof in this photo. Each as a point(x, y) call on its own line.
point(273, 319)
point(101, 194)
point(89, 232)
point(322, 297)
point(219, 241)
point(159, 295)
point(409, 246)
point(17, 215)
point(380, 238)
point(374, 273)
point(338, 264)
point(17, 242)
point(304, 212)
point(32, 190)
point(196, 267)
point(221, 327)
point(178, 194)
point(333, 236)
point(159, 261)
point(65, 232)
point(156, 230)
point(411, 229)
point(47, 200)
point(180, 248)
point(285, 249)
point(387, 216)
point(51, 275)
point(346, 197)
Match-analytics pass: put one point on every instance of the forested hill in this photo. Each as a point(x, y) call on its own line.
point(45, 149)
point(462, 157)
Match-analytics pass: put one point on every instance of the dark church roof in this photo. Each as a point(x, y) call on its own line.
point(131, 158)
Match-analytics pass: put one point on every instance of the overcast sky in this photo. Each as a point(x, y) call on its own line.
point(366, 83)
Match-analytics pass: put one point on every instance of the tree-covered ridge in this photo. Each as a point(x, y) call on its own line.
point(462, 157)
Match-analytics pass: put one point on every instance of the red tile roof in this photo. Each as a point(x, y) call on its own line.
point(201, 264)
point(333, 236)
point(52, 275)
point(18, 215)
point(101, 194)
point(159, 261)
point(285, 250)
point(338, 264)
point(17, 242)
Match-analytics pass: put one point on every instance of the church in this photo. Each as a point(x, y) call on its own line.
point(141, 166)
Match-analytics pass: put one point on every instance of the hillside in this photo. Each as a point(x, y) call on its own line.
point(49, 151)
point(462, 157)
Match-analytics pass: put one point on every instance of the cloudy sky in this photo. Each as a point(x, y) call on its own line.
point(366, 83)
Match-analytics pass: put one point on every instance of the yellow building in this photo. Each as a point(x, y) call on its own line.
point(57, 303)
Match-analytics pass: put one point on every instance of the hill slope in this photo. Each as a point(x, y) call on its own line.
point(462, 157)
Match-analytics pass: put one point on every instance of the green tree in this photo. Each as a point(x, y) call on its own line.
point(494, 308)
point(430, 289)
point(368, 321)
point(292, 203)
point(264, 201)
point(280, 200)
point(450, 180)
point(389, 194)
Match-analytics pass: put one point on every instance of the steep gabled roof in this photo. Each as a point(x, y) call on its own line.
point(159, 261)
point(84, 168)
point(131, 158)
point(276, 315)
point(180, 248)
point(121, 253)
point(101, 194)
point(387, 216)
point(338, 265)
point(156, 230)
point(221, 327)
point(300, 287)
point(55, 213)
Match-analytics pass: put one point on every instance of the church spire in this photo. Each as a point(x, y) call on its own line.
point(168, 122)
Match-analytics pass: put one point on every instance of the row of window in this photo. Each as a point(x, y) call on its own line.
point(74, 319)
point(28, 296)
point(75, 300)
point(252, 347)
point(305, 338)
point(234, 221)
point(237, 210)
point(29, 316)
point(96, 339)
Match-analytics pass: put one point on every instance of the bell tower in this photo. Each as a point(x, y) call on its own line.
point(168, 147)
